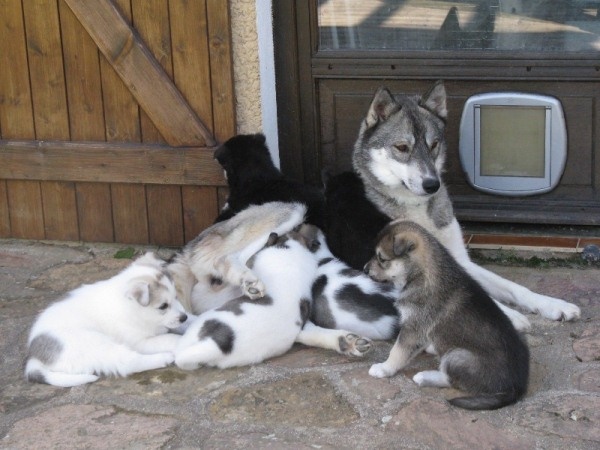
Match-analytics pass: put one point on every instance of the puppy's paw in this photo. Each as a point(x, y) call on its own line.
point(162, 359)
point(252, 287)
point(381, 370)
point(354, 345)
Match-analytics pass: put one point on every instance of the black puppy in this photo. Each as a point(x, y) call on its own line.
point(253, 179)
point(352, 221)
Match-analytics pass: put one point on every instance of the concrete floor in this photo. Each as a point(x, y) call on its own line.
point(307, 398)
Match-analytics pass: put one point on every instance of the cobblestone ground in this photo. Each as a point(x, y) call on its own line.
point(307, 398)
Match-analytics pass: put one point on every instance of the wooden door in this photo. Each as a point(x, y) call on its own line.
point(332, 55)
point(110, 111)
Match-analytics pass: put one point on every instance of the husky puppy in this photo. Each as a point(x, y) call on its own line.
point(214, 264)
point(399, 155)
point(442, 306)
point(114, 327)
point(347, 299)
point(253, 179)
point(245, 331)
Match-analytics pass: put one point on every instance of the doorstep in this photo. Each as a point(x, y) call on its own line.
point(561, 244)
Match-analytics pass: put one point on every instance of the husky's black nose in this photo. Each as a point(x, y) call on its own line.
point(182, 318)
point(431, 185)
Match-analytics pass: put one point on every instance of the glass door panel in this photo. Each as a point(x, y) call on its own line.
point(540, 26)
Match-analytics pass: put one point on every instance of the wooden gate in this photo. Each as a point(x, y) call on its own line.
point(109, 114)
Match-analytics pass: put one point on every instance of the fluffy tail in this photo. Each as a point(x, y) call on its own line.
point(36, 372)
point(486, 401)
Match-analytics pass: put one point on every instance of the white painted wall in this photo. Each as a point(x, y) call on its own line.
point(266, 58)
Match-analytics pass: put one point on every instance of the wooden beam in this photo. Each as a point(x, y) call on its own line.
point(109, 163)
point(143, 75)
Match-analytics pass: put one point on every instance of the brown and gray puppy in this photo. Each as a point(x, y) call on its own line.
point(441, 306)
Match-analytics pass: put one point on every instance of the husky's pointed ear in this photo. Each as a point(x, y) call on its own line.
point(435, 100)
point(404, 244)
point(382, 106)
point(140, 292)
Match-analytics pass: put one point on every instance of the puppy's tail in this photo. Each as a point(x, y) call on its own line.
point(486, 401)
point(36, 372)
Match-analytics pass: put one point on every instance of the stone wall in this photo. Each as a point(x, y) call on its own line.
point(246, 66)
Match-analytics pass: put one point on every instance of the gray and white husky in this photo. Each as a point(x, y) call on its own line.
point(115, 327)
point(247, 331)
point(443, 308)
point(399, 155)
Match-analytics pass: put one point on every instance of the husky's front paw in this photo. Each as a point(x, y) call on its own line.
point(560, 310)
point(381, 370)
point(253, 288)
point(354, 345)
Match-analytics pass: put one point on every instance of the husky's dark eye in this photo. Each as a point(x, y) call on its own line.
point(402, 148)
point(434, 145)
point(380, 259)
point(163, 306)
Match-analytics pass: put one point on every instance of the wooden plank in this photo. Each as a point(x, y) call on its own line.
point(121, 110)
point(108, 162)
point(94, 212)
point(4, 214)
point(152, 88)
point(221, 69)
point(200, 209)
point(165, 216)
point(151, 19)
point(16, 113)
point(46, 70)
point(82, 75)
point(26, 212)
point(60, 210)
point(191, 57)
point(130, 214)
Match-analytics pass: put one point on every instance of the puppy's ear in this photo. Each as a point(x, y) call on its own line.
point(403, 244)
point(140, 292)
point(260, 138)
point(221, 153)
point(435, 100)
point(382, 107)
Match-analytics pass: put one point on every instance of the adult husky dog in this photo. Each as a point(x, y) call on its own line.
point(399, 156)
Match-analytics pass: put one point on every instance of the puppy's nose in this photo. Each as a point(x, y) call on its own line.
point(182, 318)
point(431, 185)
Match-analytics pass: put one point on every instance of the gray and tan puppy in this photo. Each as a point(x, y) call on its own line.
point(440, 305)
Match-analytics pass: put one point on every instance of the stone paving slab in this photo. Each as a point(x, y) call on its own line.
point(306, 399)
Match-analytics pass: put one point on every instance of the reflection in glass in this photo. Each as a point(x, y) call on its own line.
point(412, 25)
